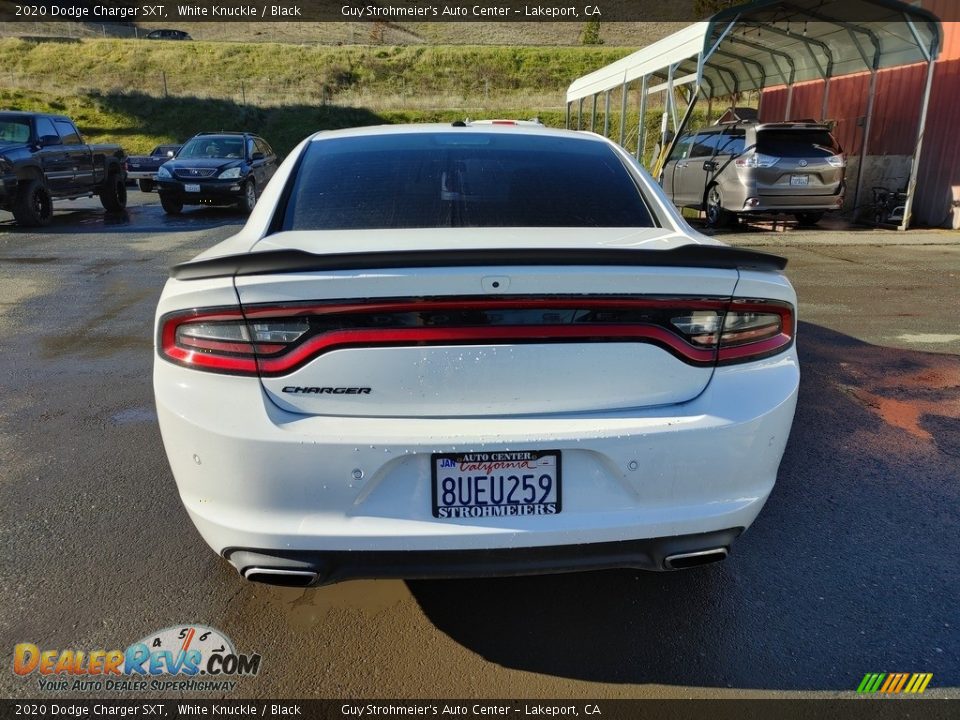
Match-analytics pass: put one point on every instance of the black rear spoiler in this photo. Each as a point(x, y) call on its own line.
point(283, 261)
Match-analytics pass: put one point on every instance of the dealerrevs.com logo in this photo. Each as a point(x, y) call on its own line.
point(180, 658)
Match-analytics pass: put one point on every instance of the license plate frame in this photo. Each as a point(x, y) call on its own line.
point(191, 187)
point(497, 470)
point(799, 180)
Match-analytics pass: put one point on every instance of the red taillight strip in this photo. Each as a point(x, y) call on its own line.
point(392, 336)
point(340, 339)
point(563, 303)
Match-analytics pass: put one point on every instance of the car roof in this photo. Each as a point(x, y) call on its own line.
point(26, 114)
point(431, 128)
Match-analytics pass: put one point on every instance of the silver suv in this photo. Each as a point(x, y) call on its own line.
point(744, 167)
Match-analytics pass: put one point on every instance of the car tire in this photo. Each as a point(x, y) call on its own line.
point(249, 199)
point(808, 219)
point(113, 193)
point(34, 205)
point(145, 185)
point(716, 215)
point(171, 206)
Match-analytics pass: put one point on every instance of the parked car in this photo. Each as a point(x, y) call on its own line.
point(167, 34)
point(745, 168)
point(216, 169)
point(143, 168)
point(467, 350)
point(44, 158)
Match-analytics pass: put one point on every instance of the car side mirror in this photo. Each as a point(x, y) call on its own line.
point(257, 156)
point(709, 165)
point(46, 140)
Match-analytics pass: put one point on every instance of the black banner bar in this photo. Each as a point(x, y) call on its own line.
point(398, 11)
point(857, 708)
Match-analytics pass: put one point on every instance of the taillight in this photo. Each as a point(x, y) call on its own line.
point(222, 341)
point(756, 160)
point(837, 161)
point(276, 340)
point(748, 330)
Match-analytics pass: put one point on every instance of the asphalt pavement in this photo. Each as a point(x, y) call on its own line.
point(851, 567)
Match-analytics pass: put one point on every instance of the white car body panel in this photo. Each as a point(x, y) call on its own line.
point(652, 447)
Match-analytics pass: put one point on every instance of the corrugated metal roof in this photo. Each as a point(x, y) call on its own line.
point(775, 42)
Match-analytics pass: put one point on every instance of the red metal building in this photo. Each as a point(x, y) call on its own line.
point(893, 131)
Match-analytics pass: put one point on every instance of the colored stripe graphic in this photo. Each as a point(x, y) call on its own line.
point(893, 683)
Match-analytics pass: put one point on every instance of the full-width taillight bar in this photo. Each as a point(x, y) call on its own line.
point(277, 339)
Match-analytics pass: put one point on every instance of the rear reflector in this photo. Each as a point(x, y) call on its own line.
point(275, 340)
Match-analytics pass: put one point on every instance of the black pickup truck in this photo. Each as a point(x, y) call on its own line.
point(43, 157)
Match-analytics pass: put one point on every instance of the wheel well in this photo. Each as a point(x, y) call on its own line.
point(29, 174)
point(706, 191)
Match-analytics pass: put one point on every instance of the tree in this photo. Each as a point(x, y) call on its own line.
point(591, 34)
point(703, 8)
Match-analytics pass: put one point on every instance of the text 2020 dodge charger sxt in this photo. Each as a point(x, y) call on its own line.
point(442, 351)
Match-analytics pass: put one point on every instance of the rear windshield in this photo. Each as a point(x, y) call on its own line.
point(17, 131)
point(467, 179)
point(797, 143)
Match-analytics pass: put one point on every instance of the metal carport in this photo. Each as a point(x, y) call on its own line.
point(766, 43)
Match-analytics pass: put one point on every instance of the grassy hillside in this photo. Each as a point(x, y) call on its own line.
point(624, 34)
point(138, 122)
point(265, 74)
point(140, 93)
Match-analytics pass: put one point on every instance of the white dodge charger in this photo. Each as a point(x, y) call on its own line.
point(449, 350)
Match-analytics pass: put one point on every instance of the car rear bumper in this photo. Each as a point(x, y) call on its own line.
point(211, 191)
point(141, 174)
point(792, 203)
point(302, 568)
point(253, 476)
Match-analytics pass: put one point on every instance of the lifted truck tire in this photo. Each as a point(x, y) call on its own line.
point(113, 194)
point(34, 205)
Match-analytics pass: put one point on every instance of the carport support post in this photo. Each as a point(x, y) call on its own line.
point(642, 129)
point(786, 110)
point(593, 115)
point(623, 113)
point(606, 114)
point(580, 115)
point(826, 99)
point(915, 164)
point(567, 123)
point(867, 122)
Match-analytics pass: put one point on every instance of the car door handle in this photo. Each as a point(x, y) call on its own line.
point(681, 165)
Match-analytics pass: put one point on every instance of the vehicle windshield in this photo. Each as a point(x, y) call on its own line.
point(14, 131)
point(465, 179)
point(227, 148)
point(797, 143)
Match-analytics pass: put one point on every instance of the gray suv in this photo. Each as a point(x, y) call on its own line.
point(744, 167)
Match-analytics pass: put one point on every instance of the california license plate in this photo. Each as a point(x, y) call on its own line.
point(799, 179)
point(191, 187)
point(496, 484)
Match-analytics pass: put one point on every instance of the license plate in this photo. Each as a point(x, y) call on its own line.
point(191, 187)
point(496, 484)
point(799, 179)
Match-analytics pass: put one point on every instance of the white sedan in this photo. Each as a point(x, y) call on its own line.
point(449, 350)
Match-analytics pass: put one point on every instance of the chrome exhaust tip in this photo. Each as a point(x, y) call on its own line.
point(682, 561)
point(279, 576)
